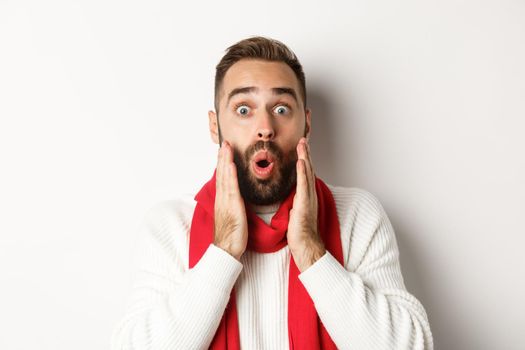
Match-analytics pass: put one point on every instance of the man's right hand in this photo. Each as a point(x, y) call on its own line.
point(230, 224)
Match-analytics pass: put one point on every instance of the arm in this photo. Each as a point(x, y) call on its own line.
point(171, 307)
point(368, 307)
point(175, 308)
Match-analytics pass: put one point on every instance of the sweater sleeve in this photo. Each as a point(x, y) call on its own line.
point(171, 307)
point(368, 307)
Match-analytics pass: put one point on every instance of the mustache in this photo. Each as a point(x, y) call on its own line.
point(267, 146)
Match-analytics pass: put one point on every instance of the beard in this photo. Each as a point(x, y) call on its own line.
point(266, 191)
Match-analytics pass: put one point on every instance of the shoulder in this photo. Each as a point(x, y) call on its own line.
point(356, 201)
point(164, 230)
point(175, 211)
point(360, 215)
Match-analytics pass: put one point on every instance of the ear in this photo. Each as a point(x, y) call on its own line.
point(308, 126)
point(214, 128)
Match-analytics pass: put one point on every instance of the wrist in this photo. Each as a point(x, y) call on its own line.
point(229, 249)
point(307, 254)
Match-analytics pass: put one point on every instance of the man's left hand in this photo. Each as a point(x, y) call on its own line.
point(303, 236)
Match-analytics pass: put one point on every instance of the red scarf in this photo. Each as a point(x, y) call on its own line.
point(305, 330)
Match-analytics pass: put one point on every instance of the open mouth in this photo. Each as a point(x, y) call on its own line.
point(263, 163)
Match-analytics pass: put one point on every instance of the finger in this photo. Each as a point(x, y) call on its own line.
point(230, 181)
point(234, 183)
point(222, 170)
point(311, 173)
point(226, 164)
point(309, 156)
point(303, 155)
point(218, 175)
point(309, 169)
point(227, 152)
point(302, 183)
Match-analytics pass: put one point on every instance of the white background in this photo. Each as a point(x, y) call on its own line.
point(103, 108)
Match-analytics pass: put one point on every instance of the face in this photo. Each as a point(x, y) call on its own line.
point(261, 115)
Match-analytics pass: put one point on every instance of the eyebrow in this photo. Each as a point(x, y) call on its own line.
point(250, 89)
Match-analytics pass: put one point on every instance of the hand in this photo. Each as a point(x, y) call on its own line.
point(230, 224)
point(303, 237)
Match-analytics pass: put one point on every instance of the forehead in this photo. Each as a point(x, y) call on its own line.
point(259, 73)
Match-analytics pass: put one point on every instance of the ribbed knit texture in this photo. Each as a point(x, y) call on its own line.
point(363, 305)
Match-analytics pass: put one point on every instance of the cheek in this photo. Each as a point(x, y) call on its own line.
point(240, 151)
point(232, 137)
point(234, 134)
point(290, 136)
point(289, 151)
point(296, 129)
point(239, 147)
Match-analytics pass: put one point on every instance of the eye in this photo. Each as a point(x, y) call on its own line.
point(242, 110)
point(281, 109)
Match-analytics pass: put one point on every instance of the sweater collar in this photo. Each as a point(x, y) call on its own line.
point(264, 209)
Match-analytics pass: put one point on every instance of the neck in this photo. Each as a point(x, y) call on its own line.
point(264, 209)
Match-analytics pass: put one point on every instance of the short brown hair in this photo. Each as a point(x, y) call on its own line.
point(258, 47)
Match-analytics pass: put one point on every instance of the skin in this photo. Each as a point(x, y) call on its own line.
point(255, 116)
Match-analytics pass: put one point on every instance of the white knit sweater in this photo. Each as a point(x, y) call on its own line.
point(363, 305)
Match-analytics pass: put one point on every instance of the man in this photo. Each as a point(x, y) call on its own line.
point(266, 255)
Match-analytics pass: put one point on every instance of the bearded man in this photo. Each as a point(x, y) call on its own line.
point(266, 255)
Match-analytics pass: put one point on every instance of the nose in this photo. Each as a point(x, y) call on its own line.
point(265, 128)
